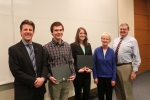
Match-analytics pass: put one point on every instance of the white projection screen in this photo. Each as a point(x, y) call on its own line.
point(96, 16)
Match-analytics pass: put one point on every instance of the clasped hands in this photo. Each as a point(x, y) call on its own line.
point(53, 80)
point(87, 70)
point(39, 82)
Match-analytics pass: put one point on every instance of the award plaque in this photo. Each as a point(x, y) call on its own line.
point(85, 61)
point(61, 73)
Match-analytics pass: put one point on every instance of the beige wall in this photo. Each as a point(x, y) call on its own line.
point(125, 15)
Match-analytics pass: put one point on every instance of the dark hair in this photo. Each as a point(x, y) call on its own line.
point(56, 24)
point(125, 24)
point(28, 22)
point(77, 39)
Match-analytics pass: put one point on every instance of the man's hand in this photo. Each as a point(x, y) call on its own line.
point(53, 80)
point(71, 78)
point(39, 82)
point(133, 76)
point(96, 80)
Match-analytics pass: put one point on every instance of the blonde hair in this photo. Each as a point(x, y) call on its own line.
point(106, 33)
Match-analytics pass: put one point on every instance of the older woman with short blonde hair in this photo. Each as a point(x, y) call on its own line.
point(104, 71)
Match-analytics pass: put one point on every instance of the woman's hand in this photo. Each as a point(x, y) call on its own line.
point(96, 80)
point(113, 83)
point(88, 70)
point(81, 70)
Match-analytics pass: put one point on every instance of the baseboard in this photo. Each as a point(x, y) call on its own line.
point(147, 71)
point(92, 92)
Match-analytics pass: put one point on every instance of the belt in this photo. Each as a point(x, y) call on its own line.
point(123, 64)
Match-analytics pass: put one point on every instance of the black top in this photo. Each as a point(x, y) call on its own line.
point(77, 50)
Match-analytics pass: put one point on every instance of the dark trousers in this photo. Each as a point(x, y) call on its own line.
point(37, 96)
point(104, 87)
point(82, 80)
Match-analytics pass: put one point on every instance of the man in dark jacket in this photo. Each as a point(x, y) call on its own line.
point(28, 65)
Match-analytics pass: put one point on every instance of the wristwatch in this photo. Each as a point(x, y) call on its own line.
point(135, 72)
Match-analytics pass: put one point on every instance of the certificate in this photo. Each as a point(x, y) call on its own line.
point(61, 72)
point(85, 61)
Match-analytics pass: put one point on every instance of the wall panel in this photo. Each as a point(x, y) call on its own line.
point(6, 38)
point(140, 22)
point(148, 21)
point(143, 66)
point(139, 7)
point(148, 24)
point(148, 8)
point(148, 66)
point(148, 13)
point(148, 53)
point(141, 31)
point(5, 7)
point(141, 36)
point(148, 37)
point(143, 51)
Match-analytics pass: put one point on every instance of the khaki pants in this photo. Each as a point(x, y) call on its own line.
point(59, 91)
point(123, 86)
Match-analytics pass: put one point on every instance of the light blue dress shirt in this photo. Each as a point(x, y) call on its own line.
point(25, 43)
point(128, 51)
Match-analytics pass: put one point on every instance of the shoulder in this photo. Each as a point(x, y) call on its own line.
point(37, 44)
point(66, 43)
point(98, 48)
point(117, 39)
point(132, 40)
point(15, 46)
point(49, 44)
point(89, 45)
point(73, 44)
point(110, 50)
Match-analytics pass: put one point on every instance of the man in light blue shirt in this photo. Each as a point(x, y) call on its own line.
point(27, 63)
point(128, 60)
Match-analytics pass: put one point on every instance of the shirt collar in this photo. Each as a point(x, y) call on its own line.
point(25, 43)
point(124, 37)
point(56, 43)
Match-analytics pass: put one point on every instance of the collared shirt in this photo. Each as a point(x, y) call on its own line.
point(128, 51)
point(26, 45)
point(83, 49)
point(59, 54)
point(28, 49)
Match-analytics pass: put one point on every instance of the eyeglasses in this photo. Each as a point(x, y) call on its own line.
point(105, 39)
point(124, 29)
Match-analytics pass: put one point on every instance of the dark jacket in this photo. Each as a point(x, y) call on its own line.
point(77, 50)
point(23, 72)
